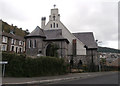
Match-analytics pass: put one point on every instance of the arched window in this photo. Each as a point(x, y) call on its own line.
point(48, 50)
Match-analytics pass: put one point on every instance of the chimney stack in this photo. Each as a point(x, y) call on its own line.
point(43, 20)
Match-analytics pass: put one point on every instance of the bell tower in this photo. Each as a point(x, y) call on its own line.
point(55, 16)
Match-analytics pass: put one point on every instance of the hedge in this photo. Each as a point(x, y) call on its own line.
point(21, 66)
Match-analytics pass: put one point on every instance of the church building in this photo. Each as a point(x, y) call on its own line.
point(76, 46)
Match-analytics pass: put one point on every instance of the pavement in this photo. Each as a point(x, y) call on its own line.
point(49, 79)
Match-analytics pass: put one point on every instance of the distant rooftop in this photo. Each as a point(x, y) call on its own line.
point(37, 32)
point(13, 36)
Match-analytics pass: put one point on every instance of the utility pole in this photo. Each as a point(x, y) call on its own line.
point(99, 42)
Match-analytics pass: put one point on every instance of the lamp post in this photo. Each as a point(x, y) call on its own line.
point(73, 53)
point(92, 62)
point(99, 42)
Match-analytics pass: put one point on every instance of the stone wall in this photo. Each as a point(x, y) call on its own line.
point(31, 51)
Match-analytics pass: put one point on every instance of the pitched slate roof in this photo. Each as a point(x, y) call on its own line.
point(37, 32)
point(54, 34)
point(87, 38)
point(13, 36)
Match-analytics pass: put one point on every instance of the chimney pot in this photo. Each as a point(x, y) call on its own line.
point(43, 20)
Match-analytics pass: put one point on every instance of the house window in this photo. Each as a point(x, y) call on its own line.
point(34, 44)
point(4, 48)
point(12, 48)
point(12, 41)
point(4, 39)
point(16, 49)
point(30, 44)
point(20, 43)
point(54, 25)
point(20, 50)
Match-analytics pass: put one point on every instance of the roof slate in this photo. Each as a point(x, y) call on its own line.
point(87, 38)
point(13, 36)
point(37, 32)
point(54, 34)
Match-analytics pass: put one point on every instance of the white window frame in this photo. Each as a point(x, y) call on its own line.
point(34, 44)
point(4, 39)
point(29, 43)
point(23, 46)
point(5, 47)
point(12, 41)
point(21, 49)
point(20, 42)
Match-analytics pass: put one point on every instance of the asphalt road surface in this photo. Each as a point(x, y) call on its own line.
point(102, 80)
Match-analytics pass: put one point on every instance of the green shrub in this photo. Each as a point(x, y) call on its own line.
point(21, 66)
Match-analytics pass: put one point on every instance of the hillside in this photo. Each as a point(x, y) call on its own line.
point(108, 50)
point(17, 31)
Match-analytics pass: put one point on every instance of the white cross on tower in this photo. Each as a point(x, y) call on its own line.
point(54, 5)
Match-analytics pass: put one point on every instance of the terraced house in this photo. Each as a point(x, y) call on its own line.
point(10, 41)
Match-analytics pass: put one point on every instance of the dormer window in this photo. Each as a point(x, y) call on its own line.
point(11, 32)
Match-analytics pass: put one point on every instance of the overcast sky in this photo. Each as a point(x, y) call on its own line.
point(97, 16)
